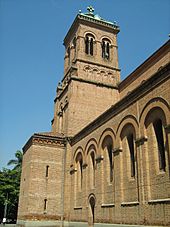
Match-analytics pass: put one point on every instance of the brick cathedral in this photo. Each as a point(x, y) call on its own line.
point(107, 157)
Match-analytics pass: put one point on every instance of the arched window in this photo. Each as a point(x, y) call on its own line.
point(92, 170)
point(81, 174)
point(157, 125)
point(89, 44)
point(79, 164)
point(128, 135)
point(130, 141)
point(107, 147)
point(106, 49)
point(109, 150)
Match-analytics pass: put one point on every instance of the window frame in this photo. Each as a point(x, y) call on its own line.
point(89, 44)
point(105, 46)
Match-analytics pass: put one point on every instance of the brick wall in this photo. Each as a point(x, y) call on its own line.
point(41, 182)
point(143, 199)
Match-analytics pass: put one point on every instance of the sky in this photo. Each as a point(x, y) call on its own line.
point(32, 55)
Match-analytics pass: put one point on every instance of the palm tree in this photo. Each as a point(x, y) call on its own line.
point(18, 161)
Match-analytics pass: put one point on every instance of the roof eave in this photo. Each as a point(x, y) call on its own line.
point(85, 18)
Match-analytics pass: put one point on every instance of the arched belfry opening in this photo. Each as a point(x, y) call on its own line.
point(91, 216)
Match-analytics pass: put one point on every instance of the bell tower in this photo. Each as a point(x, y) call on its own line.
point(91, 73)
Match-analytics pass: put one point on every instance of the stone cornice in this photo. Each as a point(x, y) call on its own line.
point(44, 140)
point(93, 82)
point(75, 78)
point(93, 19)
point(158, 78)
point(80, 19)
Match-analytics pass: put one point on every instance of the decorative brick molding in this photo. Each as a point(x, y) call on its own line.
point(45, 140)
point(94, 82)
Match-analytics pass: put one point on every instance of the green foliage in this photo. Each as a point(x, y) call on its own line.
point(9, 187)
point(18, 161)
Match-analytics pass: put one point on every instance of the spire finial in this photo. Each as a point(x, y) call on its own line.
point(90, 9)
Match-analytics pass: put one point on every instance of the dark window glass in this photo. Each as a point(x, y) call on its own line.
point(160, 143)
point(110, 162)
point(93, 168)
point(108, 51)
point(132, 156)
point(105, 49)
point(89, 45)
point(81, 172)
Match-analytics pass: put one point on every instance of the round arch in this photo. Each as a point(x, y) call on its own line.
point(92, 143)
point(90, 156)
point(106, 144)
point(153, 119)
point(106, 38)
point(106, 132)
point(78, 150)
point(156, 103)
point(128, 120)
point(90, 33)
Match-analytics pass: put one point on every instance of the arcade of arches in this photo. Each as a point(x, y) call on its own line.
point(123, 165)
